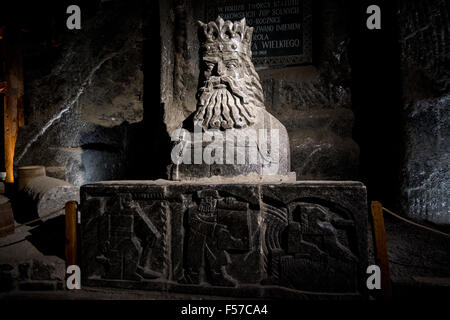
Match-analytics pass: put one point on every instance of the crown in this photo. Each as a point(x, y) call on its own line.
point(225, 36)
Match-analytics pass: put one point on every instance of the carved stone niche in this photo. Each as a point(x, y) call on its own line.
point(292, 240)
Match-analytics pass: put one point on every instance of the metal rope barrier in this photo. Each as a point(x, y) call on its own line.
point(416, 224)
point(34, 220)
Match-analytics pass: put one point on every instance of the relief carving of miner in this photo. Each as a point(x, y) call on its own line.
point(211, 234)
point(230, 133)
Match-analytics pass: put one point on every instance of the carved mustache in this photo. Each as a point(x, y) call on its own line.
point(223, 82)
point(222, 104)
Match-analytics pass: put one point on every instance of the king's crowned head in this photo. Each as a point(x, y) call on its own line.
point(229, 91)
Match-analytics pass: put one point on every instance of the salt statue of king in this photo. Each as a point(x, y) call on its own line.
point(230, 134)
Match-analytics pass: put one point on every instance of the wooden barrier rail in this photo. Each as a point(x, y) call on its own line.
point(12, 88)
point(71, 233)
point(382, 259)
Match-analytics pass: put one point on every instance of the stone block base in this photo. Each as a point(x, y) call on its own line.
point(254, 240)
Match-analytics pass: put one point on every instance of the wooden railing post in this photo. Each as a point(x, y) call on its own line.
point(71, 233)
point(380, 244)
point(13, 89)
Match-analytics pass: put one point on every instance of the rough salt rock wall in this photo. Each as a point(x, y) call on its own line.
point(313, 102)
point(424, 33)
point(84, 97)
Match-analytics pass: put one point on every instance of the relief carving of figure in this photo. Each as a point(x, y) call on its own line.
point(130, 237)
point(210, 237)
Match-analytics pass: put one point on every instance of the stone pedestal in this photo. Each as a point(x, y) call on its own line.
point(251, 240)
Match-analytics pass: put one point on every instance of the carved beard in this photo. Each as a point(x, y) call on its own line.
point(221, 104)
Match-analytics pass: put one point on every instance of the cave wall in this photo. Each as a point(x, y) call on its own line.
point(313, 101)
point(424, 40)
point(84, 92)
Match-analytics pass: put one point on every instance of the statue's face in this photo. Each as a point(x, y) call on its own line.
point(223, 98)
point(222, 64)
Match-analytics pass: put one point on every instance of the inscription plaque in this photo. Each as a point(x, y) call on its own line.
point(282, 29)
